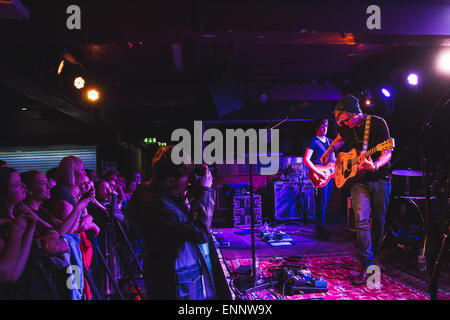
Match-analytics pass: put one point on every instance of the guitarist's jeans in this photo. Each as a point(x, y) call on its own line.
point(370, 199)
point(322, 200)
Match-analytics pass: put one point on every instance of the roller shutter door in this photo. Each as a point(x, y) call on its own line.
point(47, 157)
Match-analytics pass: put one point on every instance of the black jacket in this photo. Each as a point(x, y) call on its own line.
point(174, 264)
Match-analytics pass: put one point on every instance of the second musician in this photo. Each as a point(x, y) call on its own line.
point(319, 144)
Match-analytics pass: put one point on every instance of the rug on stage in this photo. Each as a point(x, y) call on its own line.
point(338, 272)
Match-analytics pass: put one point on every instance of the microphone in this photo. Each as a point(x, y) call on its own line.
point(289, 112)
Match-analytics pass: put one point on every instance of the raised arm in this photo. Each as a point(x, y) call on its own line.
point(14, 253)
point(69, 215)
point(10, 251)
point(25, 245)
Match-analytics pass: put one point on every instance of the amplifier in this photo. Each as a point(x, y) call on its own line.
point(241, 210)
point(293, 200)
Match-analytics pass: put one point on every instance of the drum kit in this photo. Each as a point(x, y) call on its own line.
point(406, 220)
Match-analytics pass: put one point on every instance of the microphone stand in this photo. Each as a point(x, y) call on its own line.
point(119, 226)
point(254, 274)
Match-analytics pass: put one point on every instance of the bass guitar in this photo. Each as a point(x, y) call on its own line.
point(327, 171)
point(348, 170)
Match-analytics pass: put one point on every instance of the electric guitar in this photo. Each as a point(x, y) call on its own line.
point(327, 171)
point(348, 170)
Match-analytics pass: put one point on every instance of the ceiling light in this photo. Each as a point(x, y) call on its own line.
point(93, 95)
point(79, 83)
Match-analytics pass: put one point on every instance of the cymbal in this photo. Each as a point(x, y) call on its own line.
point(413, 198)
point(407, 173)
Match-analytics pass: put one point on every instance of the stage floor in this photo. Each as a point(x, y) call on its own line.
point(305, 243)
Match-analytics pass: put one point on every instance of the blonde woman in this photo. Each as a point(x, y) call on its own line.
point(68, 204)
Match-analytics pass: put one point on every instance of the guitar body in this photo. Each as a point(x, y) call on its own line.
point(346, 175)
point(348, 171)
point(327, 171)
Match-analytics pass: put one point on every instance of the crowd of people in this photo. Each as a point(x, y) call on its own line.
point(76, 234)
point(64, 233)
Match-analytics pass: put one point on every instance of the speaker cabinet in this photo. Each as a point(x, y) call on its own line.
point(292, 200)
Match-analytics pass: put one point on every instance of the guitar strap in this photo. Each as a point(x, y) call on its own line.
point(366, 134)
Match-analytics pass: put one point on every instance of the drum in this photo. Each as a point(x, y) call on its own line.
point(407, 182)
point(405, 221)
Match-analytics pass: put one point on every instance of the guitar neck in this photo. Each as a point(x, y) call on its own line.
point(370, 152)
point(366, 154)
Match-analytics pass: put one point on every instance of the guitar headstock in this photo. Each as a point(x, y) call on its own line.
point(386, 145)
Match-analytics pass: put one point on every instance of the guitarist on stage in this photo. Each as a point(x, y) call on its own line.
point(319, 144)
point(370, 195)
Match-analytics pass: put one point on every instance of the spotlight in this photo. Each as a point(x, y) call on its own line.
point(79, 83)
point(93, 95)
point(413, 79)
point(368, 102)
point(386, 92)
point(443, 62)
point(263, 97)
point(60, 67)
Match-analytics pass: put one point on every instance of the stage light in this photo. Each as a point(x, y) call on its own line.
point(60, 67)
point(386, 92)
point(79, 83)
point(162, 144)
point(93, 95)
point(413, 79)
point(368, 102)
point(443, 62)
point(263, 97)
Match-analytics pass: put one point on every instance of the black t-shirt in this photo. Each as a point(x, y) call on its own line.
point(354, 138)
point(319, 149)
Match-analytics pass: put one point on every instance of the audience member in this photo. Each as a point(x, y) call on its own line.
point(92, 175)
point(136, 177)
point(116, 188)
point(69, 206)
point(51, 177)
point(17, 227)
point(43, 268)
point(38, 192)
point(130, 188)
point(178, 269)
